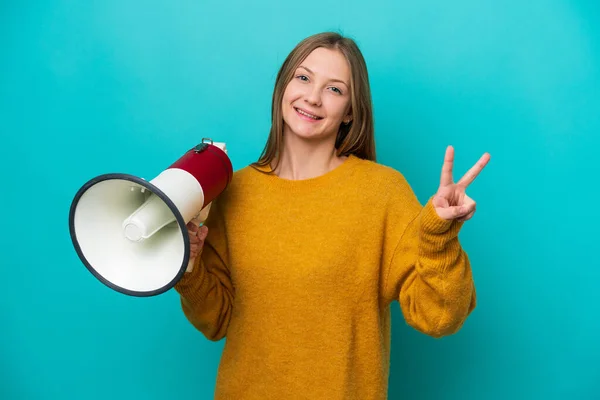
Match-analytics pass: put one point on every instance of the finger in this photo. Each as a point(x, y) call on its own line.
point(446, 178)
point(470, 207)
point(452, 213)
point(440, 201)
point(467, 217)
point(471, 174)
point(203, 232)
point(194, 237)
point(192, 226)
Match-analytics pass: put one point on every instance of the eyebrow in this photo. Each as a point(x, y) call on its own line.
point(333, 80)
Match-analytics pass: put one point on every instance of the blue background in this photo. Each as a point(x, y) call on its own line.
point(119, 86)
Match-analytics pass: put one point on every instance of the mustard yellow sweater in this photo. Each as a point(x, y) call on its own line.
point(299, 277)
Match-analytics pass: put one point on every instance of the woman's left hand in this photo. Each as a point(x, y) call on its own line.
point(451, 202)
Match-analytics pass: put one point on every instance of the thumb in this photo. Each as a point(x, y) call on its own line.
point(451, 213)
point(440, 201)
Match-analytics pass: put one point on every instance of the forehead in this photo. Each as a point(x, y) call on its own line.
point(329, 63)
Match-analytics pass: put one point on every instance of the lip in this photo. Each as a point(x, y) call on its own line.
point(304, 117)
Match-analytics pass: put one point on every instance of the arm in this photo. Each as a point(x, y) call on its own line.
point(427, 269)
point(207, 292)
point(430, 275)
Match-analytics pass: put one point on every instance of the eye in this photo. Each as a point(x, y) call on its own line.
point(337, 90)
point(302, 77)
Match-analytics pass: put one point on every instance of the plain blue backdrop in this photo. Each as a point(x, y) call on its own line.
point(88, 88)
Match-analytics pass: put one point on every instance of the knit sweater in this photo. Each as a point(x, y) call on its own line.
point(299, 276)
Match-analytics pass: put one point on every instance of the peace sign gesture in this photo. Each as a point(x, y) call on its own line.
point(451, 202)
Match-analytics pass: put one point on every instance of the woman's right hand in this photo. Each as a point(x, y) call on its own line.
point(197, 237)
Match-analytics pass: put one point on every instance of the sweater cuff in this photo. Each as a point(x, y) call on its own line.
point(432, 223)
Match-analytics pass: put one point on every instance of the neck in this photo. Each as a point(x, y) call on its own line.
point(303, 159)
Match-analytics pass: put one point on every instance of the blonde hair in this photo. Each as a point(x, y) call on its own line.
point(355, 138)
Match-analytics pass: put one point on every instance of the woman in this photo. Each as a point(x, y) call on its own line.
point(304, 253)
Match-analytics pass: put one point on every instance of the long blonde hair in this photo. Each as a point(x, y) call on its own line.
point(355, 138)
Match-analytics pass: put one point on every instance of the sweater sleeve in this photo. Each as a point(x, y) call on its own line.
point(427, 270)
point(207, 292)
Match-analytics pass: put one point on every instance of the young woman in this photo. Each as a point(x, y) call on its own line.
point(302, 256)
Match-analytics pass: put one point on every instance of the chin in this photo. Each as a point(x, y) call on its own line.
point(307, 134)
point(303, 134)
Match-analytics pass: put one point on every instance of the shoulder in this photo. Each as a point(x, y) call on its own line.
point(385, 186)
point(245, 176)
point(242, 181)
point(381, 175)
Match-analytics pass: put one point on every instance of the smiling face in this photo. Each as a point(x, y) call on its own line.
point(317, 99)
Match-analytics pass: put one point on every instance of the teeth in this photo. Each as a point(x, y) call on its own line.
point(307, 114)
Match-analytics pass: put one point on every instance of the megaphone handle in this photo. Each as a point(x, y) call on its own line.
point(200, 217)
point(190, 266)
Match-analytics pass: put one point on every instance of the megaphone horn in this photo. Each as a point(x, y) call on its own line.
point(131, 234)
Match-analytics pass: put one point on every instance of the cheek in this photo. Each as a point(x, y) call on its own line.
point(288, 99)
point(285, 100)
point(291, 93)
point(337, 107)
point(286, 95)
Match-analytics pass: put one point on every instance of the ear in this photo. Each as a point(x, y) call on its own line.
point(348, 118)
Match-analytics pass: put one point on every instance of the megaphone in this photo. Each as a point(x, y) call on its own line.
point(132, 235)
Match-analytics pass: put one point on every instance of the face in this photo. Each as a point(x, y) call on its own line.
point(317, 99)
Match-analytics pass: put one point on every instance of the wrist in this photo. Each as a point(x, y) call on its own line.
point(431, 222)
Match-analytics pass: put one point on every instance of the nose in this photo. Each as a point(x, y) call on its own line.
point(313, 96)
